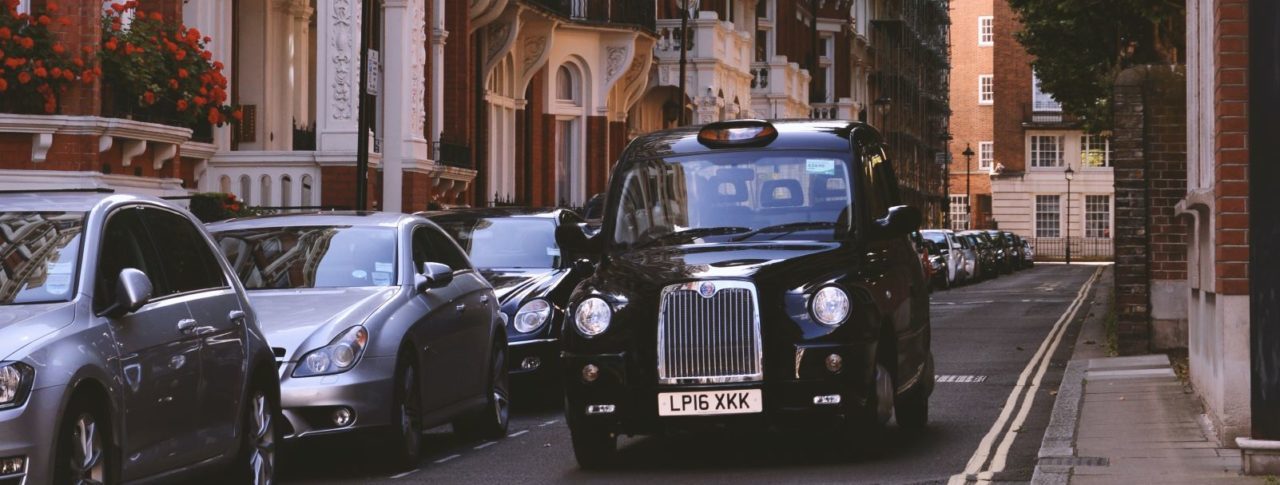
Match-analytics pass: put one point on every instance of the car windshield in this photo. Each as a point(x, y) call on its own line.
point(736, 196)
point(937, 237)
point(39, 253)
point(507, 242)
point(311, 256)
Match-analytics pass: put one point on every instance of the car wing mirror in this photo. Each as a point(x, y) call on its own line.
point(574, 239)
point(433, 275)
point(901, 220)
point(133, 290)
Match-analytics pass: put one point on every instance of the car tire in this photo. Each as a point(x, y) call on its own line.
point(911, 410)
point(594, 446)
point(256, 463)
point(79, 459)
point(491, 421)
point(403, 441)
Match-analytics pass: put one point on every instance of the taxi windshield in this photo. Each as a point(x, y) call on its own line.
point(734, 196)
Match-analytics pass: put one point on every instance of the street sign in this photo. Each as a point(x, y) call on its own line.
point(372, 80)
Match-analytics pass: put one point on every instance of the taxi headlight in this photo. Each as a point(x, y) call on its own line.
point(830, 306)
point(532, 316)
point(592, 317)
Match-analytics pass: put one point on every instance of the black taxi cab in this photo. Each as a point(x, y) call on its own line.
point(747, 274)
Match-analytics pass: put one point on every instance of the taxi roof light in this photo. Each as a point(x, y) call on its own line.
point(737, 133)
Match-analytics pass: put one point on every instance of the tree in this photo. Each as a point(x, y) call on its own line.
point(1080, 46)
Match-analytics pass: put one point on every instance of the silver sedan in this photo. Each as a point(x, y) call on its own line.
point(379, 323)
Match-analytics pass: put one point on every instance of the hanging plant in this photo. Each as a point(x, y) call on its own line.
point(35, 68)
point(159, 70)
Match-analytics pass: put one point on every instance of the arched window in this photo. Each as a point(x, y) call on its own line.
point(224, 184)
point(306, 191)
point(567, 84)
point(286, 191)
point(246, 186)
point(265, 199)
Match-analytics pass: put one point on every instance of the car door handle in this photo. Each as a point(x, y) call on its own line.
point(484, 298)
point(236, 316)
point(186, 325)
point(462, 307)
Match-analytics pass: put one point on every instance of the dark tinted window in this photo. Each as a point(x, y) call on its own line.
point(311, 256)
point(443, 250)
point(39, 252)
point(125, 244)
point(188, 261)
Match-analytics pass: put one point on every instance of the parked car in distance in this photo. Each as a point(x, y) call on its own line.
point(128, 350)
point(1030, 252)
point(379, 323)
point(951, 251)
point(785, 247)
point(988, 254)
point(939, 269)
point(972, 261)
point(516, 250)
point(1016, 259)
point(1004, 261)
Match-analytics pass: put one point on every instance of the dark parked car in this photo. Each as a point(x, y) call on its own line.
point(379, 323)
point(939, 269)
point(516, 250)
point(750, 274)
point(1017, 260)
point(128, 351)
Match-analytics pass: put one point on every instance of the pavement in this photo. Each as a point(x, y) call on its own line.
point(1000, 347)
point(1128, 420)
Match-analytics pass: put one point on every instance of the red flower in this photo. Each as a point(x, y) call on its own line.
point(41, 72)
point(64, 21)
point(215, 118)
point(155, 16)
point(173, 84)
point(118, 7)
point(200, 101)
point(50, 107)
point(1, 54)
point(68, 75)
point(4, 85)
point(148, 98)
point(24, 77)
point(182, 73)
point(45, 20)
point(27, 43)
point(51, 7)
point(238, 114)
point(182, 105)
point(5, 33)
point(59, 49)
point(115, 26)
point(180, 55)
point(87, 77)
point(57, 72)
point(14, 62)
point(78, 62)
point(206, 55)
point(208, 39)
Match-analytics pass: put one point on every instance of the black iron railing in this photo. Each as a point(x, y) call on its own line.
point(634, 12)
point(1082, 248)
point(451, 154)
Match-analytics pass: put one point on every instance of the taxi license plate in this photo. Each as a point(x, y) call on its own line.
point(706, 403)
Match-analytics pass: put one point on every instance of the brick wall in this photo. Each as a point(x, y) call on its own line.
point(1012, 70)
point(970, 122)
point(339, 187)
point(1149, 158)
point(416, 193)
point(597, 161)
point(1231, 185)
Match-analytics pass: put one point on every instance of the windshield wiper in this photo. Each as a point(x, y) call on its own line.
point(695, 233)
point(785, 229)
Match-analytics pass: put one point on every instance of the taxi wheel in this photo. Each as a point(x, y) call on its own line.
point(594, 446)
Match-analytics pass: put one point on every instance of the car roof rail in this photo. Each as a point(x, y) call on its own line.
point(98, 190)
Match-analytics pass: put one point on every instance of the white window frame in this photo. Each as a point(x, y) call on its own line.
point(986, 155)
point(986, 31)
point(1035, 148)
point(1107, 220)
point(1050, 231)
point(959, 212)
point(1087, 145)
point(827, 63)
point(986, 89)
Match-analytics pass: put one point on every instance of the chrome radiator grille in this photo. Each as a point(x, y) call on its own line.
point(709, 332)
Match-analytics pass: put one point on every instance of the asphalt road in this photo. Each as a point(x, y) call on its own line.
point(988, 338)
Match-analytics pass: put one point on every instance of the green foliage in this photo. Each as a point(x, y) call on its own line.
point(1081, 46)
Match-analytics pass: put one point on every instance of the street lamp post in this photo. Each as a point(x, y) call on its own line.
point(1069, 173)
point(968, 200)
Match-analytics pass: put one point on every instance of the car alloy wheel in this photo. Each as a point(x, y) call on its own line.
point(410, 407)
point(262, 439)
point(88, 461)
point(501, 389)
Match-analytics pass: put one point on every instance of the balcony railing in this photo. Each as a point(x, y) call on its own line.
point(1045, 114)
point(634, 12)
point(451, 154)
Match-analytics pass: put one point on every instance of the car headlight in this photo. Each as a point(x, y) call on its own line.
point(532, 316)
point(830, 306)
point(592, 317)
point(15, 384)
point(339, 356)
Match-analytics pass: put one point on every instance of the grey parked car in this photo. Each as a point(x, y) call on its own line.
point(379, 323)
point(128, 350)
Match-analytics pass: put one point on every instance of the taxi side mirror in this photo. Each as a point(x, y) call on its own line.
point(902, 219)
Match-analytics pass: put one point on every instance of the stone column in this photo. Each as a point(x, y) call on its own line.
point(300, 35)
point(404, 110)
point(438, 36)
point(337, 74)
